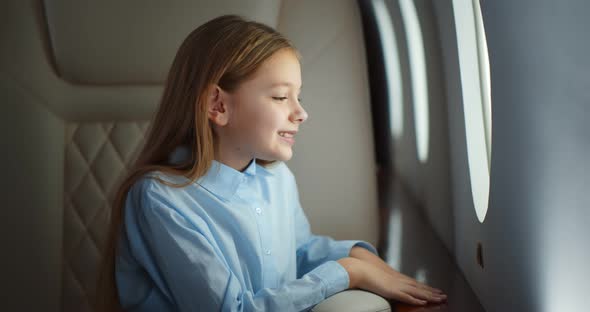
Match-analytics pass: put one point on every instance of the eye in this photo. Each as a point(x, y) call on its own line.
point(279, 98)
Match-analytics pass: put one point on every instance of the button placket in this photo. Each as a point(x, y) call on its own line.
point(269, 277)
point(264, 232)
point(263, 229)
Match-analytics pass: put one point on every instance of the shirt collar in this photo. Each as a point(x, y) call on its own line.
point(223, 180)
point(220, 179)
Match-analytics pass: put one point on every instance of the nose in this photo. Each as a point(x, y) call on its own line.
point(299, 114)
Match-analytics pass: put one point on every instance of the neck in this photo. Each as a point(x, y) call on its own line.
point(232, 157)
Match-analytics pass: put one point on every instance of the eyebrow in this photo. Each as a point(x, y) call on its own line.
point(279, 84)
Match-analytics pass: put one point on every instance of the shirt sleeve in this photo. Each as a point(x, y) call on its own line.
point(193, 272)
point(313, 250)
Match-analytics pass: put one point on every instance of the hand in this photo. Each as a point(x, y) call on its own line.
point(367, 256)
point(398, 287)
point(369, 277)
point(415, 282)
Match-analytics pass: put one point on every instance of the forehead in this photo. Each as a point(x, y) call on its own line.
point(281, 69)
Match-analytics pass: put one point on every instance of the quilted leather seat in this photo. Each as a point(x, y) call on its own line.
point(79, 82)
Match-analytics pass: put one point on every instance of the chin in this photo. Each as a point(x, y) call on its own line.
point(286, 158)
point(282, 156)
point(276, 153)
point(286, 155)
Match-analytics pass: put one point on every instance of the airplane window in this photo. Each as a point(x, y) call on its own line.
point(484, 75)
point(392, 67)
point(418, 75)
point(475, 82)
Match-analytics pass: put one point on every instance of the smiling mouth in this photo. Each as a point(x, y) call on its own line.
point(288, 136)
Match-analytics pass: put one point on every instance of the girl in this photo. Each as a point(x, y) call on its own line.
point(209, 217)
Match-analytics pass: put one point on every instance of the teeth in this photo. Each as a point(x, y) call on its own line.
point(285, 134)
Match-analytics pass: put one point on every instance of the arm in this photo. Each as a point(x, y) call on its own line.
point(368, 273)
point(313, 250)
point(189, 268)
point(363, 254)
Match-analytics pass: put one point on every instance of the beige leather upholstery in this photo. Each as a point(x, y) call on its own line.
point(96, 157)
point(133, 42)
point(79, 82)
point(353, 300)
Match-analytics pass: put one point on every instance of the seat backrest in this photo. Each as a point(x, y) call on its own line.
point(79, 85)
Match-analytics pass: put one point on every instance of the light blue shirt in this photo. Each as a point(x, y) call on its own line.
point(232, 241)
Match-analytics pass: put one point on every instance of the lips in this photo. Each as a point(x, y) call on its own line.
point(288, 136)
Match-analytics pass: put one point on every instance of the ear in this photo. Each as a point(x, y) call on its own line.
point(217, 106)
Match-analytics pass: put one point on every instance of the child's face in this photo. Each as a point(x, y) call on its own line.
point(264, 108)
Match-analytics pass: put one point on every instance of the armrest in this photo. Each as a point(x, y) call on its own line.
point(354, 301)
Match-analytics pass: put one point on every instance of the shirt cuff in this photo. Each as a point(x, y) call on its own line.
point(341, 249)
point(367, 246)
point(333, 276)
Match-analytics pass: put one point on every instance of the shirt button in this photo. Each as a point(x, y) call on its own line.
point(258, 210)
point(268, 251)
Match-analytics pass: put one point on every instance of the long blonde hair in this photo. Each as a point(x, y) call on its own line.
point(226, 51)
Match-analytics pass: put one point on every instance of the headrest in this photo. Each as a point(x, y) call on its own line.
point(132, 42)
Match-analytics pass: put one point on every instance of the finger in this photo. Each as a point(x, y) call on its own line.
point(407, 298)
point(408, 280)
point(415, 283)
point(424, 294)
point(431, 289)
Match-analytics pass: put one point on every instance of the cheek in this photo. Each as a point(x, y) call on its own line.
point(274, 123)
point(269, 119)
point(260, 120)
point(267, 127)
point(255, 127)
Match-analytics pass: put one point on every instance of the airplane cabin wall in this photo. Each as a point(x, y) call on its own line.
point(428, 181)
point(534, 252)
